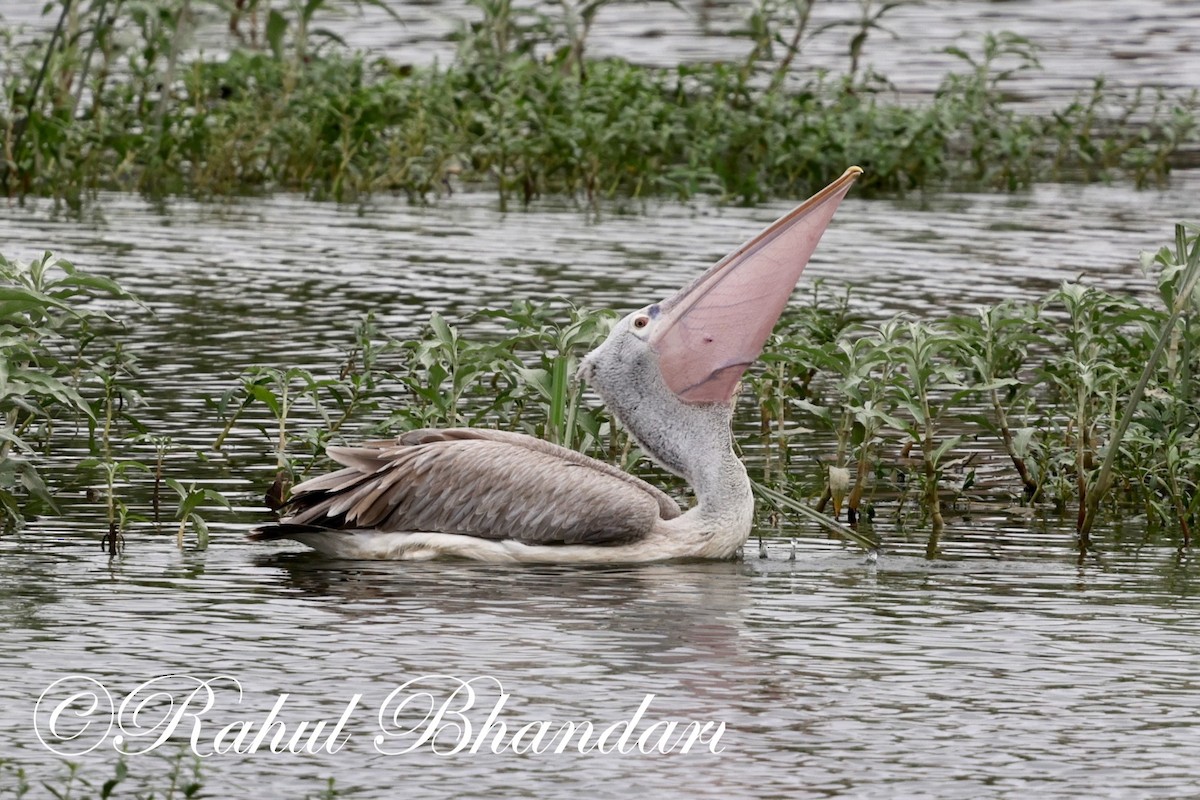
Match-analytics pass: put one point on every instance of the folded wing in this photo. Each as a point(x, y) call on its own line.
point(489, 484)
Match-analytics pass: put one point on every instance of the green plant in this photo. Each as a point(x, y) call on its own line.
point(1087, 372)
point(933, 385)
point(190, 500)
point(862, 370)
point(17, 779)
point(47, 333)
point(112, 100)
point(299, 17)
point(870, 14)
point(549, 381)
point(996, 343)
point(997, 146)
point(278, 390)
point(440, 371)
point(1178, 285)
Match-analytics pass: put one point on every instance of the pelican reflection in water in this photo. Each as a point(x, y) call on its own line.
point(669, 372)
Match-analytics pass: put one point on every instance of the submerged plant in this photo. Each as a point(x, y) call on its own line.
point(181, 779)
point(1090, 397)
point(1087, 369)
point(861, 368)
point(550, 403)
point(450, 381)
point(933, 385)
point(278, 390)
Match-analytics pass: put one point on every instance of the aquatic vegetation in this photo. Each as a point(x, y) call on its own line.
point(1178, 284)
point(1044, 387)
point(191, 498)
point(1081, 402)
point(176, 776)
point(180, 780)
point(65, 376)
point(522, 380)
point(112, 101)
point(53, 354)
point(996, 344)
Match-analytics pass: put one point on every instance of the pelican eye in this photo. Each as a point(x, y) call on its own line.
point(641, 321)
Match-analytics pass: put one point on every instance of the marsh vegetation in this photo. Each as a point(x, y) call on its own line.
point(118, 97)
point(1083, 401)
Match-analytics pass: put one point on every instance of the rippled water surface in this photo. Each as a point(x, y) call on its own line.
point(834, 679)
point(1006, 670)
point(1003, 672)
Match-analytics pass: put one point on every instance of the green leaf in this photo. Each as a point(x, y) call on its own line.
point(6, 435)
point(820, 412)
point(266, 396)
point(276, 27)
point(997, 384)
point(913, 408)
point(311, 7)
point(945, 447)
point(18, 299)
point(444, 333)
point(43, 383)
point(212, 495)
point(329, 34)
point(201, 527)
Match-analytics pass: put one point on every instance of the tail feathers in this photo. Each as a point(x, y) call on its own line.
point(283, 530)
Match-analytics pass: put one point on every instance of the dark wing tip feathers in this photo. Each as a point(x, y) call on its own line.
point(281, 530)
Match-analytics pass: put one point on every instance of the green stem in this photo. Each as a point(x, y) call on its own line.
point(87, 60)
point(11, 423)
point(1010, 447)
point(281, 452)
point(793, 47)
point(169, 76)
point(829, 523)
point(37, 85)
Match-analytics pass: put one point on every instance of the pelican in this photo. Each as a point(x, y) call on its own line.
point(669, 372)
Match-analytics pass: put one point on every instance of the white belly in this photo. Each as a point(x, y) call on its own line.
point(386, 546)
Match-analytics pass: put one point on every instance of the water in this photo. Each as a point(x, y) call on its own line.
point(1006, 670)
point(835, 679)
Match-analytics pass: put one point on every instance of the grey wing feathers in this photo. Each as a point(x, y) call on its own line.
point(490, 484)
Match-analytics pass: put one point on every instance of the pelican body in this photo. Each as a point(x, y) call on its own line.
point(668, 372)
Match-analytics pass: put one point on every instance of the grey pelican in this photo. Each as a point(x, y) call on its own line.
point(669, 372)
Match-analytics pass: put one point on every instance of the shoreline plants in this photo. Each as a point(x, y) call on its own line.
point(117, 96)
point(1081, 402)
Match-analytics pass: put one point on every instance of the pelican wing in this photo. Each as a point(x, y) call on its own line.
point(490, 484)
